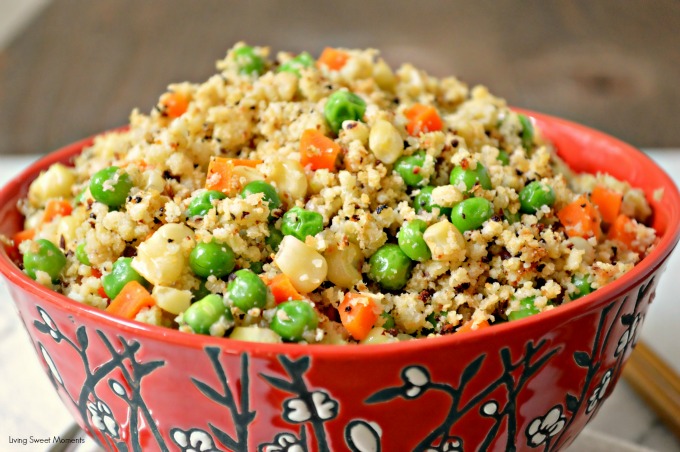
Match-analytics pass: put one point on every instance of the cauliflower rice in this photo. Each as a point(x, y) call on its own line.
point(474, 278)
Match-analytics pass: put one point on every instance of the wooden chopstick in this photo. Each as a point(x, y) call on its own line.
point(658, 385)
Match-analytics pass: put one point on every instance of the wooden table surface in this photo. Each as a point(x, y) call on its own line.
point(80, 66)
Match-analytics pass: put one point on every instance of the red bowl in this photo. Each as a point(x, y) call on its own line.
point(533, 383)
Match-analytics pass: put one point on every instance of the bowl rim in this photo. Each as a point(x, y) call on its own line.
point(574, 309)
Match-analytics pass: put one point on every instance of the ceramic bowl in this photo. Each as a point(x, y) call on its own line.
point(529, 384)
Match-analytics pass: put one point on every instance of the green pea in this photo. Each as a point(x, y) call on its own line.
point(44, 256)
point(390, 267)
point(388, 321)
point(534, 196)
point(81, 254)
point(80, 197)
point(303, 60)
point(300, 223)
point(211, 258)
point(343, 106)
point(471, 213)
point(527, 308)
point(292, 319)
point(203, 203)
point(121, 274)
point(527, 132)
point(583, 287)
point(274, 238)
point(201, 292)
point(411, 241)
point(110, 186)
point(512, 217)
point(470, 177)
point(201, 315)
point(503, 157)
point(249, 62)
point(256, 267)
point(409, 167)
point(246, 290)
point(423, 201)
point(270, 196)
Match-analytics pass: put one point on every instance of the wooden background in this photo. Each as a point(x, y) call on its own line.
point(82, 65)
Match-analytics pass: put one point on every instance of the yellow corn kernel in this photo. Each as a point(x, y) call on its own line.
point(56, 182)
point(162, 258)
point(305, 267)
point(172, 300)
point(343, 265)
point(445, 241)
point(385, 141)
point(289, 178)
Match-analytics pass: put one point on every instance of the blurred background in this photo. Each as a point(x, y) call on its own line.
point(71, 68)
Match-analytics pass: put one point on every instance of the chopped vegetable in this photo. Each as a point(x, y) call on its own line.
point(333, 59)
point(358, 314)
point(301, 61)
point(608, 203)
point(21, 236)
point(174, 104)
point(471, 213)
point(221, 175)
point(526, 308)
point(409, 167)
point(317, 151)
point(282, 288)
point(470, 177)
point(580, 219)
point(131, 299)
point(623, 230)
point(469, 326)
point(212, 258)
point(56, 208)
point(422, 119)
point(201, 315)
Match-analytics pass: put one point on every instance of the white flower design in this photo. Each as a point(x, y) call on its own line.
point(54, 331)
point(102, 418)
point(297, 410)
point(629, 336)
point(283, 442)
point(415, 378)
point(489, 408)
point(452, 444)
point(50, 365)
point(363, 436)
point(599, 392)
point(193, 440)
point(545, 427)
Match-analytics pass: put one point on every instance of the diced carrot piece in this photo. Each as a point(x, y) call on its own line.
point(358, 314)
point(580, 219)
point(102, 293)
point(283, 290)
point(21, 236)
point(608, 202)
point(623, 230)
point(317, 150)
point(467, 326)
point(56, 208)
point(422, 119)
point(175, 104)
point(96, 273)
point(221, 174)
point(333, 59)
point(132, 299)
